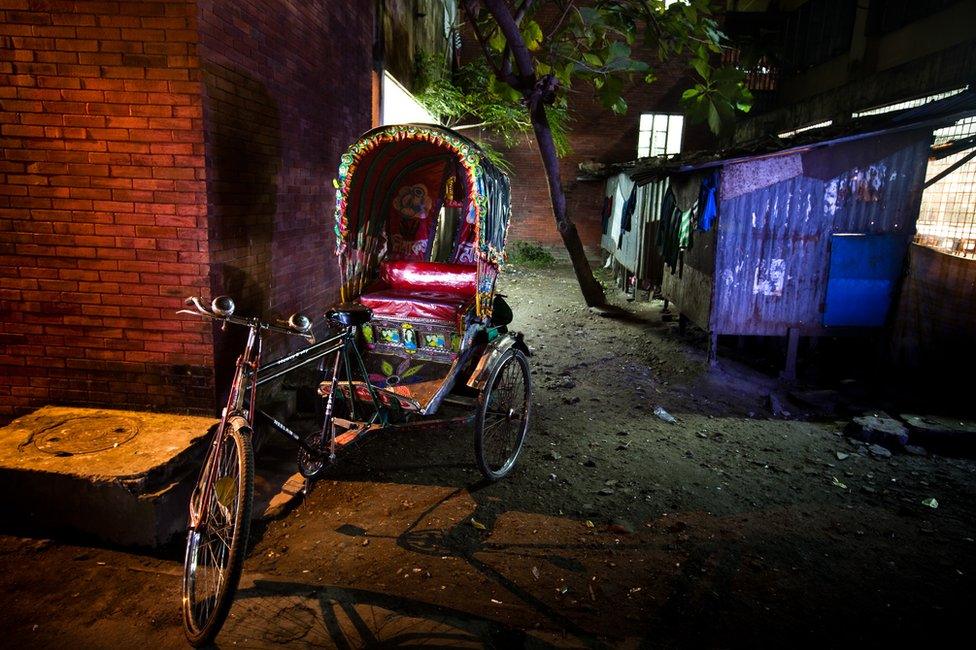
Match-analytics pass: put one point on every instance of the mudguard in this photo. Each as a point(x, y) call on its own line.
point(492, 355)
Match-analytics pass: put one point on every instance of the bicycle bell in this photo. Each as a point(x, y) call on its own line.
point(222, 306)
point(300, 322)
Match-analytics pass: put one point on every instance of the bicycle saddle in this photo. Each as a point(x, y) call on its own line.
point(349, 314)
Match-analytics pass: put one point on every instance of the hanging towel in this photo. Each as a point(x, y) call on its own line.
point(674, 233)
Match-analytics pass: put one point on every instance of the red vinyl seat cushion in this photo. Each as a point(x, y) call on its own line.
point(427, 291)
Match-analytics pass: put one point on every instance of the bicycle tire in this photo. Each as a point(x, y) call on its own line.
point(513, 361)
point(202, 630)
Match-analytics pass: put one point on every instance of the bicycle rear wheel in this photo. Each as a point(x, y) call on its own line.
point(215, 549)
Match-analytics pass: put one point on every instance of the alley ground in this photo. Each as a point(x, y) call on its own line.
point(730, 528)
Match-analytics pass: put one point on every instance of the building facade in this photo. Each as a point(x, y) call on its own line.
point(165, 148)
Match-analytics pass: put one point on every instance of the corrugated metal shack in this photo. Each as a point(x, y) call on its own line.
point(808, 240)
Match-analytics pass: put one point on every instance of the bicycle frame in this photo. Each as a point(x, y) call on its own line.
point(343, 345)
point(249, 374)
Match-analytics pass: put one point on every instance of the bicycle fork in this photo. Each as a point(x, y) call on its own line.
point(231, 417)
point(329, 406)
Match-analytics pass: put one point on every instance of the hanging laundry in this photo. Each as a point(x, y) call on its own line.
point(707, 204)
point(629, 208)
point(674, 234)
point(606, 212)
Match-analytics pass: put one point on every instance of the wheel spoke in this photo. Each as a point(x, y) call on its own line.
point(212, 546)
point(504, 416)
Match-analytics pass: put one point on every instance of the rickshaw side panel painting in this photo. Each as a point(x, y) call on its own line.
point(421, 222)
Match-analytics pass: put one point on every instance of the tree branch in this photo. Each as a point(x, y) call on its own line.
point(503, 71)
point(524, 9)
point(507, 54)
point(520, 52)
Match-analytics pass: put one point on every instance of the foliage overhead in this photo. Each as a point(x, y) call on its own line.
point(574, 44)
point(474, 97)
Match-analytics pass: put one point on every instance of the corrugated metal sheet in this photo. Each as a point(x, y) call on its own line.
point(691, 286)
point(635, 249)
point(936, 323)
point(771, 266)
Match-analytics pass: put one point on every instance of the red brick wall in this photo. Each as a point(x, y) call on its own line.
point(102, 211)
point(596, 135)
point(158, 149)
point(287, 88)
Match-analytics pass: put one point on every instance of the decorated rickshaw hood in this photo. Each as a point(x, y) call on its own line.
point(490, 186)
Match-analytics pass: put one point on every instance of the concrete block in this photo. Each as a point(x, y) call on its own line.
point(120, 476)
point(878, 428)
point(946, 434)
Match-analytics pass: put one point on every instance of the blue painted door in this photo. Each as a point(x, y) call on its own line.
point(864, 272)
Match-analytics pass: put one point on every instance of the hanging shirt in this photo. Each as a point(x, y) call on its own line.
point(628, 211)
point(707, 204)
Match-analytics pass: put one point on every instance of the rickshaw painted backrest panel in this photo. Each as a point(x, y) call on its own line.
point(460, 280)
point(414, 198)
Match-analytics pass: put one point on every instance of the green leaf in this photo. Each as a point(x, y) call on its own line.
point(620, 106)
point(565, 74)
point(504, 91)
point(497, 41)
point(593, 60)
point(714, 121)
point(690, 93)
point(591, 17)
point(532, 35)
point(609, 92)
point(409, 372)
point(650, 78)
point(618, 50)
point(701, 67)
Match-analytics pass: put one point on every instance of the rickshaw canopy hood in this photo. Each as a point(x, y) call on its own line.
point(385, 161)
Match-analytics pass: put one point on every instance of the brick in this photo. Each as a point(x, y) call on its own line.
point(125, 168)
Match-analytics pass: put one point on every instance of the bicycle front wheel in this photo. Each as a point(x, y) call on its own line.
point(215, 548)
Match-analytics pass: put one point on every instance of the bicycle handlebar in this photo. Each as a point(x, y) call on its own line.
point(222, 309)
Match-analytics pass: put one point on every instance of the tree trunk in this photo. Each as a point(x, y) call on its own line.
point(591, 289)
point(534, 90)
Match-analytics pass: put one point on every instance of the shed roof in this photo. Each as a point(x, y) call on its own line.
point(928, 116)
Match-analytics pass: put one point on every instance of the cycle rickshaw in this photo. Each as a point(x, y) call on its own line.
point(420, 226)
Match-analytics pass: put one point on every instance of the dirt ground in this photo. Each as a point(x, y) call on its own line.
point(732, 527)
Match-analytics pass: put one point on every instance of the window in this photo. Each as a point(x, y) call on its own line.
point(659, 134)
point(947, 216)
point(399, 106)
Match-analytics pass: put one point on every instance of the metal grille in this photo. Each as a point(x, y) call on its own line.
point(947, 218)
point(911, 103)
point(817, 31)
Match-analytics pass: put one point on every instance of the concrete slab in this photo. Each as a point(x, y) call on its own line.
point(946, 434)
point(121, 476)
point(878, 428)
